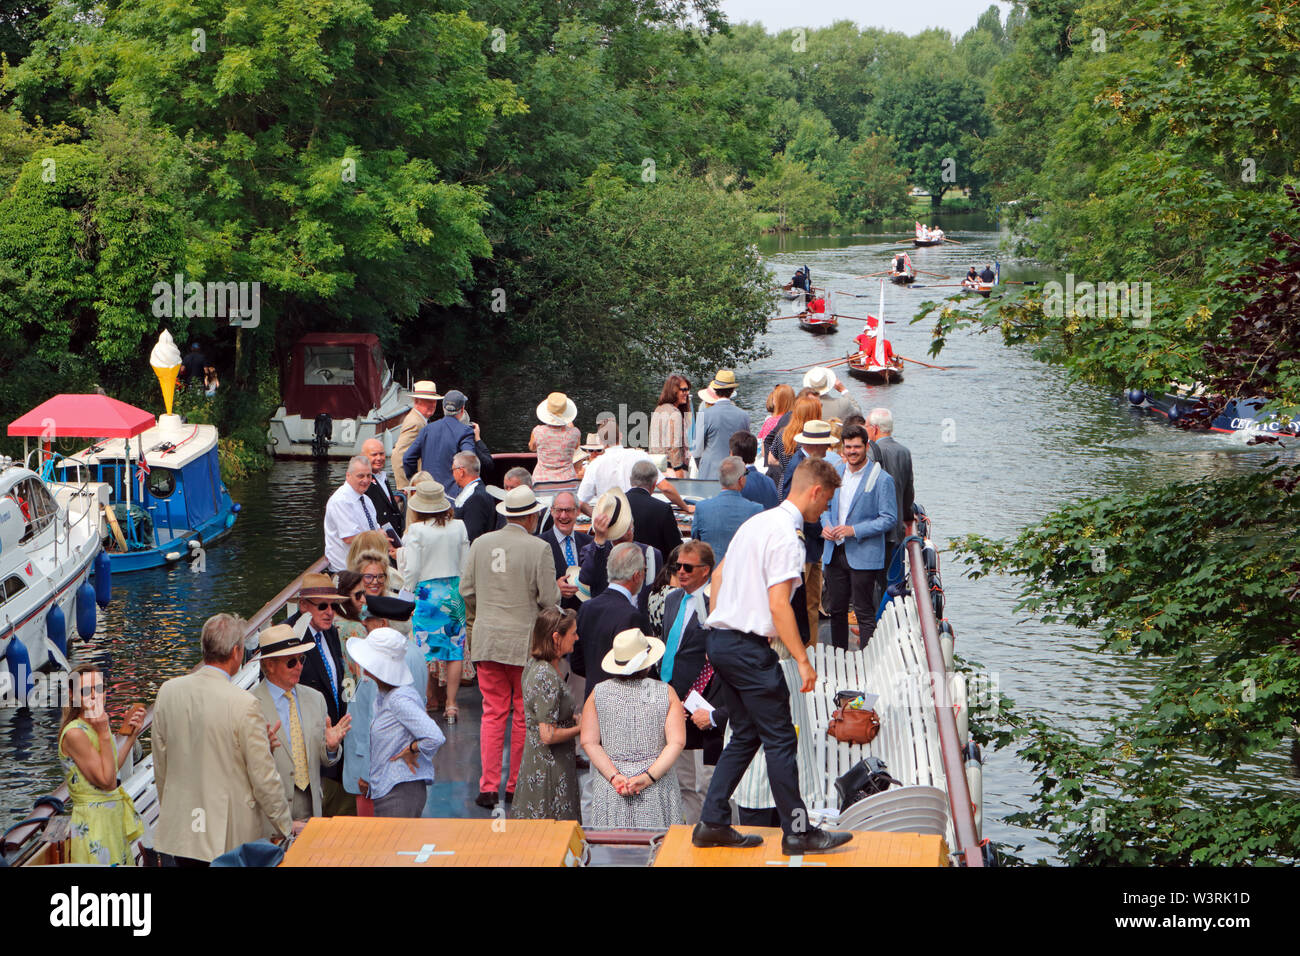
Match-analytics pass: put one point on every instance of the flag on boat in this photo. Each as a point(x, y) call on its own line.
point(879, 358)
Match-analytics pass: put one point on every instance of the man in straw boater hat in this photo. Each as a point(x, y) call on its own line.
point(716, 424)
point(323, 671)
point(309, 740)
point(836, 401)
point(814, 443)
point(751, 607)
point(508, 578)
point(424, 402)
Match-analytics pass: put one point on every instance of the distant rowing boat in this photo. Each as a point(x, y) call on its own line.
point(874, 374)
point(818, 323)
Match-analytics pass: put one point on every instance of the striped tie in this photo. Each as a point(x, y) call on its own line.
point(300, 778)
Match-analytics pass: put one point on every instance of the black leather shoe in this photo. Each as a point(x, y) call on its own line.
point(814, 841)
point(712, 834)
point(486, 800)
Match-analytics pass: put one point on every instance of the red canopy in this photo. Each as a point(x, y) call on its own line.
point(336, 372)
point(83, 416)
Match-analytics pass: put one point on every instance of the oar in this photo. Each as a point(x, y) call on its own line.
point(957, 241)
point(800, 368)
point(870, 275)
point(942, 368)
point(863, 318)
point(922, 272)
point(1014, 282)
point(780, 317)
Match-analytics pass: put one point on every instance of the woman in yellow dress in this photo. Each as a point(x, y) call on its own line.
point(104, 820)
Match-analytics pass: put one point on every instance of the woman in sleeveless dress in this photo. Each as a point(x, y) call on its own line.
point(633, 730)
point(104, 820)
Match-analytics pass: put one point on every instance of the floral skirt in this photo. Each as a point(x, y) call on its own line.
point(438, 624)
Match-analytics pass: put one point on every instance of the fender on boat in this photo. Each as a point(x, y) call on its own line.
point(56, 629)
point(87, 618)
point(103, 579)
point(975, 780)
point(20, 670)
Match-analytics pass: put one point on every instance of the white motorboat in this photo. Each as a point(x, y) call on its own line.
point(49, 544)
point(337, 393)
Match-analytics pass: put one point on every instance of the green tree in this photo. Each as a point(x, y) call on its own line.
point(795, 194)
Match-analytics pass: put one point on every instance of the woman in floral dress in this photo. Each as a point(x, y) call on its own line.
point(548, 773)
point(433, 552)
point(104, 820)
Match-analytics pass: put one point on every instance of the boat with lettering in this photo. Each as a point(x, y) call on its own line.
point(1235, 416)
point(49, 545)
point(337, 392)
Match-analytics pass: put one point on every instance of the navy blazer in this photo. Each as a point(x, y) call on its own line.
point(436, 445)
point(480, 513)
point(717, 518)
point(595, 558)
point(896, 460)
point(599, 621)
point(687, 664)
point(653, 521)
point(871, 513)
point(386, 511)
point(580, 541)
point(760, 488)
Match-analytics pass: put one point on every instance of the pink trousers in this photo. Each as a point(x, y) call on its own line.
point(502, 692)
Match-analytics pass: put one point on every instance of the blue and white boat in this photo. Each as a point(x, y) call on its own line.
point(1237, 416)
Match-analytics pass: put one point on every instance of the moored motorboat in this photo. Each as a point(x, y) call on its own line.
point(1236, 416)
point(337, 393)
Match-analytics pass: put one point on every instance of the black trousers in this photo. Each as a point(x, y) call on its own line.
point(862, 588)
point(185, 862)
point(758, 703)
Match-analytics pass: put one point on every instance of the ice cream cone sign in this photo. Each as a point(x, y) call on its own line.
point(166, 362)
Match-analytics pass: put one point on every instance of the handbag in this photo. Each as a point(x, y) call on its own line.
point(850, 726)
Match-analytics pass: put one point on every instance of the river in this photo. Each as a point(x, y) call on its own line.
point(994, 448)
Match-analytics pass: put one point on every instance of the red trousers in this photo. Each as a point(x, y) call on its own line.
point(502, 694)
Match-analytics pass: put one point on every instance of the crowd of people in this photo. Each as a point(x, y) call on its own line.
point(627, 675)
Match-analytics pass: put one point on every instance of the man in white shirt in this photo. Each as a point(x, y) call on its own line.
point(348, 513)
point(751, 605)
point(613, 469)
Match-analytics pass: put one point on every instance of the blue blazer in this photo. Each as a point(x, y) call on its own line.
point(872, 513)
point(435, 446)
point(713, 432)
point(760, 488)
point(717, 518)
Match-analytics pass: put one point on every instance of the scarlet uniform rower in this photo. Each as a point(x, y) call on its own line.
point(867, 343)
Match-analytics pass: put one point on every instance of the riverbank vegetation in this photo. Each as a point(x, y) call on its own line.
point(1155, 141)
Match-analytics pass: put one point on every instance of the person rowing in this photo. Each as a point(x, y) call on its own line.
point(866, 341)
point(972, 277)
point(802, 280)
point(900, 264)
point(988, 276)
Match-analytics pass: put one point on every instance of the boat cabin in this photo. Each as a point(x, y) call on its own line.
point(338, 373)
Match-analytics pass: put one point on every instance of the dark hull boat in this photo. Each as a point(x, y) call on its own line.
point(819, 324)
point(902, 278)
point(927, 242)
point(1239, 415)
point(875, 374)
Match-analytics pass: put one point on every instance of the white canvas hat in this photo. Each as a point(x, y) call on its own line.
point(816, 432)
point(820, 379)
point(382, 653)
point(520, 501)
point(632, 652)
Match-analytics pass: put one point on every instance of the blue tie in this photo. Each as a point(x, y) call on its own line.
point(329, 668)
point(568, 550)
point(366, 511)
point(675, 638)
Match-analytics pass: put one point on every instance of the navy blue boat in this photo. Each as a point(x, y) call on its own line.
point(1238, 415)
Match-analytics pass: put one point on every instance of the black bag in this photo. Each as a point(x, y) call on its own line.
point(869, 777)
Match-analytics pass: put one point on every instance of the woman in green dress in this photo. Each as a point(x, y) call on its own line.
point(548, 773)
point(104, 820)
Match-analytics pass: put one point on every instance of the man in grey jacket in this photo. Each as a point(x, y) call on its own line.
point(897, 462)
point(716, 425)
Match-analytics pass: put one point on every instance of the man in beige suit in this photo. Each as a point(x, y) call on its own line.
point(309, 740)
point(217, 783)
point(424, 401)
point(509, 576)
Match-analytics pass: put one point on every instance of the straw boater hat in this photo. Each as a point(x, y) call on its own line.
point(816, 432)
point(319, 588)
point(820, 379)
point(428, 498)
point(558, 409)
point(615, 504)
point(382, 653)
point(427, 390)
point(593, 443)
point(281, 641)
point(725, 378)
point(632, 652)
point(520, 501)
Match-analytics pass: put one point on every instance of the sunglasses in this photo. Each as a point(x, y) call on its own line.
point(294, 661)
point(358, 595)
point(688, 568)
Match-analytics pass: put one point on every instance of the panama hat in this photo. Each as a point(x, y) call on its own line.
point(281, 641)
point(382, 653)
point(558, 409)
point(816, 432)
point(820, 379)
point(632, 652)
point(707, 395)
point(725, 378)
point(520, 501)
point(593, 443)
point(426, 389)
point(615, 504)
point(319, 588)
point(429, 498)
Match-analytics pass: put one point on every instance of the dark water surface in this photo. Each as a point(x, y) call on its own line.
point(994, 448)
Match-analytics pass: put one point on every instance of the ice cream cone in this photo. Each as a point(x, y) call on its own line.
point(167, 379)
